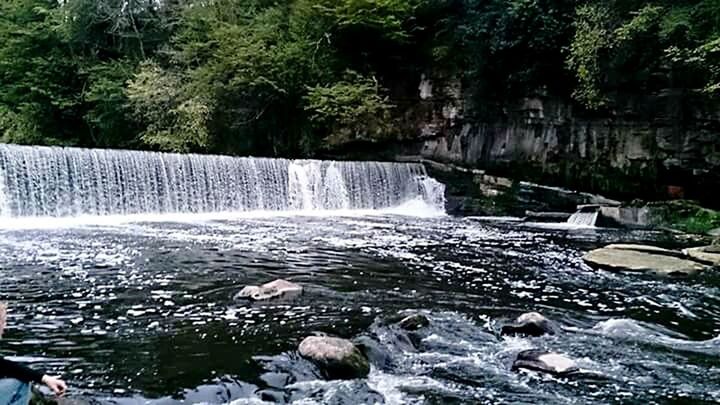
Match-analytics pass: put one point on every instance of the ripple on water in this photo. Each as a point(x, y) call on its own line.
point(138, 311)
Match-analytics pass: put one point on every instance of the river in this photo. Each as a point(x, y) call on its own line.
point(145, 310)
point(134, 308)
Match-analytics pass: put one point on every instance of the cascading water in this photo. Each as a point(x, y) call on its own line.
point(583, 218)
point(60, 182)
point(4, 209)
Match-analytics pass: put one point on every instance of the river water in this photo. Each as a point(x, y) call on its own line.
point(141, 310)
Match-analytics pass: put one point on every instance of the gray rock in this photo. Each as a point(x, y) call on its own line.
point(376, 353)
point(550, 363)
point(37, 397)
point(647, 249)
point(276, 380)
point(709, 255)
point(641, 261)
point(551, 217)
point(274, 289)
point(273, 396)
point(414, 322)
point(530, 324)
point(337, 359)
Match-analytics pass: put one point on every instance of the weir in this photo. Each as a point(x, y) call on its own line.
point(60, 182)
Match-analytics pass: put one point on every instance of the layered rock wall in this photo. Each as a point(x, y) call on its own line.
point(653, 147)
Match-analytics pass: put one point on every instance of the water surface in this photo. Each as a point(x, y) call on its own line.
point(130, 312)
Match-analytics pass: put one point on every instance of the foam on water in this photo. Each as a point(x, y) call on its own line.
point(412, 208)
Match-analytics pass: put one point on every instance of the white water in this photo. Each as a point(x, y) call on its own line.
point(583, 218)
point(41, 182)
point(4, 209)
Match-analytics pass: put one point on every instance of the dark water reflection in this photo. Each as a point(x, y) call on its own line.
point(138, 312)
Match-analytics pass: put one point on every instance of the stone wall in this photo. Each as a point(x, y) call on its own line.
point(652, 147)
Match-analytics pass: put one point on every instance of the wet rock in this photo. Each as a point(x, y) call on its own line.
point(276, 380)
point(551, 217)
point(551, 363)
point(530, 324)
point(709, 255)
point(336, 358)
point(274, 289)
point(647, 249)
point(39, 398)
point(276, 397)
point(414, 322)
point(348, 393)
point(643, 259)
point(374, 351)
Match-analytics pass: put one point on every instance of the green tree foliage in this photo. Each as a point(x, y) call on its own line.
point(353, 108)
point(291, 77)
point(643, 47)
point(174, 119)
point(36, 75)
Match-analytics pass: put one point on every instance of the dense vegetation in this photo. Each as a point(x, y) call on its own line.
point(290, 77)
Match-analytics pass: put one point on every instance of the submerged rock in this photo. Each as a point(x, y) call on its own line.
point(273, 289)
point(530, 324)
point(414, 322)
point(39, 398)
point(376, 353)
point(709, 255)
point(546, 362)
point(337, 358)
point(273, 396)
point(644, 259)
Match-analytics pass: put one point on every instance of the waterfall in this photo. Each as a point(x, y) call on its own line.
point(584, 218)
point(62, 182)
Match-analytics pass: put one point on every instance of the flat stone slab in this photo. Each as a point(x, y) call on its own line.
point(647, 249)
point(705, 254)
point(642, 262)
point(274, 289)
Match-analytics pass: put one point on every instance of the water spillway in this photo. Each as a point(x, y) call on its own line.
point(60, 182)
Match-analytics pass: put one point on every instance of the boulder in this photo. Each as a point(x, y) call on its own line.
point(414, 322)
point(530, 324)
point(546, 362)
point(274, 289)
point(337, 359)
point(709, 255)
point(644, 259)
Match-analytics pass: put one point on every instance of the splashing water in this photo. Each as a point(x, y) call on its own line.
point(4, 209)
point(586, 219)
point(69, 182)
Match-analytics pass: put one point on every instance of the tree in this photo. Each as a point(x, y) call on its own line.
point(175, 120)
point(350, 110)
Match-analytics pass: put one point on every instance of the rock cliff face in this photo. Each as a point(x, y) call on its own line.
point(659, 146)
